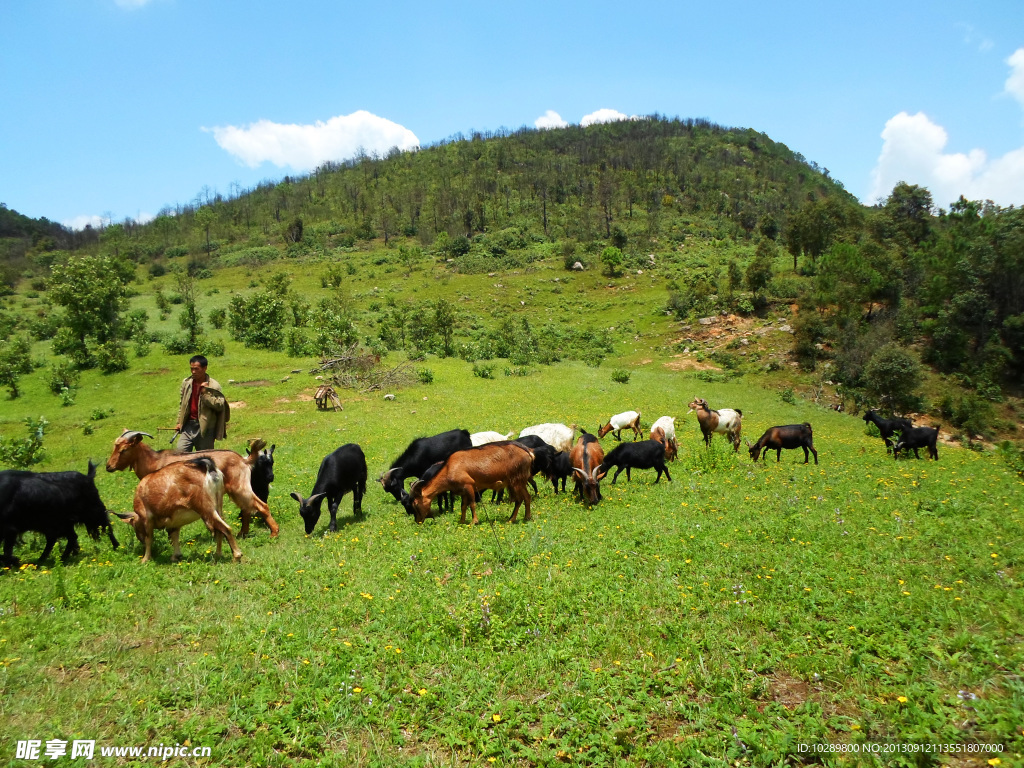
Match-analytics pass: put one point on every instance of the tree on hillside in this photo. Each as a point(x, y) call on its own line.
point(15, 360)
point(891, 379)
point(92, 291)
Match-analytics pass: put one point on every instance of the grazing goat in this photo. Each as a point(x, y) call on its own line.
point(543, 455)
point(481, 438)
point(725, 421)
point(621, 421)
point(490, 466)
point(646, 454)
point(667, 425)
point(340, 472)
point(888, 426)
point(586, 457)
point(262, 473)
point(50, 503)
point(558, 436)
point(420, 454)
point(176, 495)
point(917, 437)
point(788, 437)
point(130, 451)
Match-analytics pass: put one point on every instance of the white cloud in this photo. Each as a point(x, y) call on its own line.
point(1015, 82)
point(304, 147)
point(913, 151)
point(550, 119)
point(80, 222)
point(604, 116)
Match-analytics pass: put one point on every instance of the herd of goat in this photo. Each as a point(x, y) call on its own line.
point(176, 488)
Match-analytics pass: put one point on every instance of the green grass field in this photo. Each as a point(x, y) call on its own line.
point(726, 618)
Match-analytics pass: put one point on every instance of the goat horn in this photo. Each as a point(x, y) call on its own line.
point(133, 432)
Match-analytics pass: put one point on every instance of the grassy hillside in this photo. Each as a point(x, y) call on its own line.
point(726, 617)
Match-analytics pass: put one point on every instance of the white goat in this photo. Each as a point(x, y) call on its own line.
point(621, 421)
point(481, 438)
point(558, 436)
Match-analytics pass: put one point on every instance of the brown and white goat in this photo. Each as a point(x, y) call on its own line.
point(666, 427)
point(725, 421)
point(586, 457)
point(130, 451)
point(175, 496)
point(491, 466)
point(621, 421)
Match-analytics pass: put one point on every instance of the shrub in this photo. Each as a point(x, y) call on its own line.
point(218, 317)
point(621, 376)
point(483, 371)
point(27, 451)
point(788, 396)
point(891, 378)
point(63, 375)
point(425, 375)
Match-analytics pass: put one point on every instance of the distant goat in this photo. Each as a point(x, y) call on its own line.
point(130, 451)
point(646, 454)
point(789, 437)
point(621, 421)
point(888, 426)
point(50, 503)
point(917, 437)
point(724, 421)
point(558, 436)
point(176, 495)
point(586, 457)
point(490, 466)
point(341, 472)
point(667, 425)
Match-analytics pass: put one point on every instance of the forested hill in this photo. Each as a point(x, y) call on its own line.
point(734, 221)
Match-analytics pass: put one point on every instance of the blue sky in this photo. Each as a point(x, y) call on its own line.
point(114, 109)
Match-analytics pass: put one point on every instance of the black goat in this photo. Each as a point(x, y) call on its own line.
point(263, 474)
point(888, 426)
point(646, 454)
point(50, 503)
point(788, 437)
point(340, 472)
point(561, 469)
point(918, 437)
point(421, 454)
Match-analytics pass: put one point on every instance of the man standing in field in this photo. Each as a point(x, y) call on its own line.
point(203, 414)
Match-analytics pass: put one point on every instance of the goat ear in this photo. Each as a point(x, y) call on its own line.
point(272, 449)
point(597, 477)
point(296, 496)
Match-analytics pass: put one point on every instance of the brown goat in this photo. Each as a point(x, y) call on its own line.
point(130, 451)
point(724, 421)
point(586, 457)
point(492, 466)
point(175, 496)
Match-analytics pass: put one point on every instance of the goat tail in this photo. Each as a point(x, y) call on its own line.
point(739, 412)
point(809, 428)
point(255, 446)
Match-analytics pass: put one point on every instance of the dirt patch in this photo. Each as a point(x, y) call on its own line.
point(689, 364)
point(305, 398)
point(237, 404)
point(255, 383)
point(788, 691)
point(283, 400)
point(161, 372)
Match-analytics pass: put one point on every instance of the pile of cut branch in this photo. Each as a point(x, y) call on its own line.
point(355, 368)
